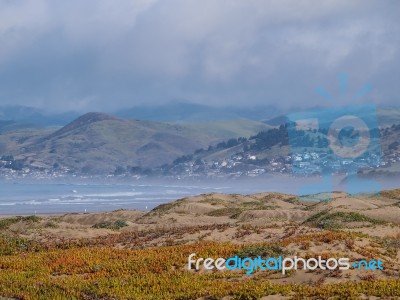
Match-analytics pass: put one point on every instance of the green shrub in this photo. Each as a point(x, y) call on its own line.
point(339, 219)
point(213, 201)
point(10, 245)
point(232, 212)
point(7, 222)
point(272, 250)
point(111, 225)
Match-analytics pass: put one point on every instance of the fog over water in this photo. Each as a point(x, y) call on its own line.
point(30, 197)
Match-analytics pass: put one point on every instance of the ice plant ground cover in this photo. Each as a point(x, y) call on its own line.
point(97, 269)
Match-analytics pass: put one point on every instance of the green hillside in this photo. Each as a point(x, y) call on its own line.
point(229, 128)
point(99, 143)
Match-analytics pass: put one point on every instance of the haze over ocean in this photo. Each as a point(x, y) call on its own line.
point(28, 198)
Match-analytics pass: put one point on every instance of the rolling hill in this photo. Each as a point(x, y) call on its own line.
point(99, 143)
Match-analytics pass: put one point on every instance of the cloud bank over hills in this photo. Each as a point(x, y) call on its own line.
point(71, 55)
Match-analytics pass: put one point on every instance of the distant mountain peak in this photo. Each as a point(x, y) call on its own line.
point(84, 120)
point(92, 117)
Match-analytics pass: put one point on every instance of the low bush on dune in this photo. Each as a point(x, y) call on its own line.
point(111, 225)
point(392, 194)
point(12, 245)
point(232, 212)
point(337, 220)
point(7, 222)
point(273, 250)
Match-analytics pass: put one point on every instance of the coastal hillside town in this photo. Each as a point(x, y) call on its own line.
point(308, 163)
point(265, 153)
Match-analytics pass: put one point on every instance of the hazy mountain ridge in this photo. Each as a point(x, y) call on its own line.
point(102, 143)
point(386, 116)
point(28, 117)
point(192, 112)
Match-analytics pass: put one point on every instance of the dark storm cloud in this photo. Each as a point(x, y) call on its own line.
point(103, 54)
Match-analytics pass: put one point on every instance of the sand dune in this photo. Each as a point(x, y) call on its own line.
point(354, 226)
point(261, 209)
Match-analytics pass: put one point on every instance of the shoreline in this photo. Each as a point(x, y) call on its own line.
point(312, 198)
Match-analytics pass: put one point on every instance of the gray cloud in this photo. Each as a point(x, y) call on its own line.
point(102, 54)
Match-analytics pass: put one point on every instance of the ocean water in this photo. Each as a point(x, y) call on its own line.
point(41, 197)
point(49, 197)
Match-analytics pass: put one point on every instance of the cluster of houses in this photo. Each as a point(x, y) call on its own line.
point(392, 158)
point(10, 169)
point(307, 163)
point(26, 172)
point(238, 165)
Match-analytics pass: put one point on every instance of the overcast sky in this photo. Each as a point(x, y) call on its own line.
point(107, 54)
